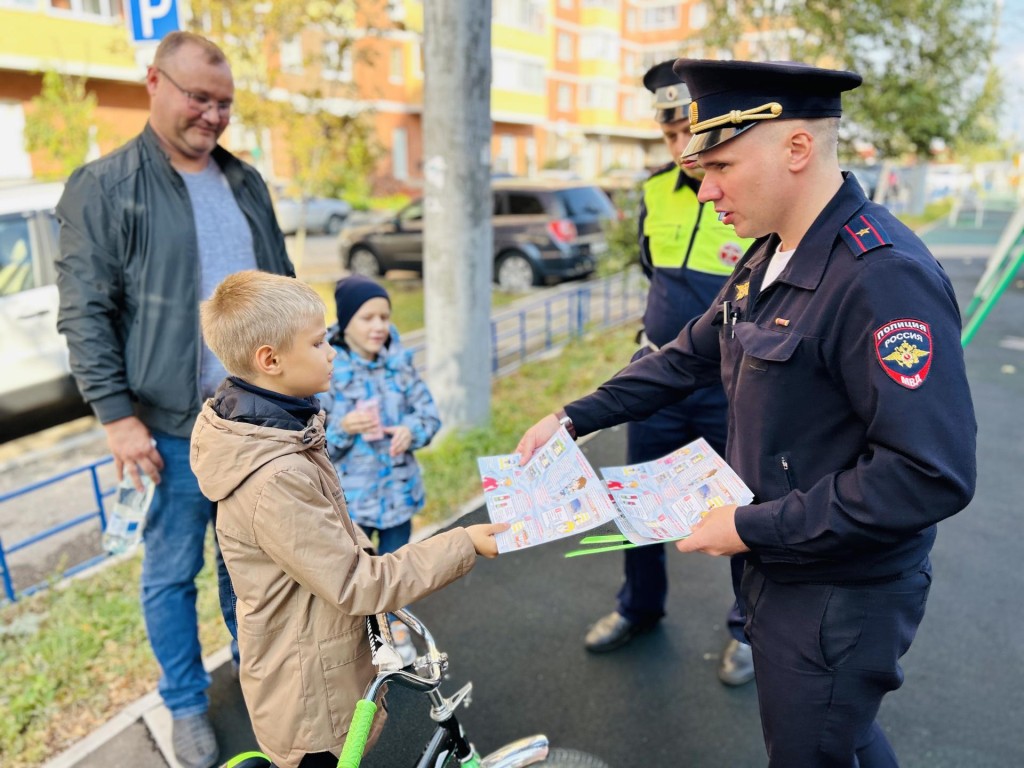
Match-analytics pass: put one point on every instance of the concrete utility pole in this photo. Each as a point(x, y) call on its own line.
point(458, 244)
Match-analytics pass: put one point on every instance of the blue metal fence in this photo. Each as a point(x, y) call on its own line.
point(518, 334)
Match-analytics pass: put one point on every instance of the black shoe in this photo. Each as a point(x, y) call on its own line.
point(613, 631)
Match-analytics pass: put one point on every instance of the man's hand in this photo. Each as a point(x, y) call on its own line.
point(401, 439)
point(483, 537)
point(715, 534)
point(134, 450)
point(536, 436)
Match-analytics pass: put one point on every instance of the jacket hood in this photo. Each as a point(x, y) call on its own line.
point(225, 452)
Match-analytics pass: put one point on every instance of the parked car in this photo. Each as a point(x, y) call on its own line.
point(36, 389)
point(321, 214)
point(544, 231)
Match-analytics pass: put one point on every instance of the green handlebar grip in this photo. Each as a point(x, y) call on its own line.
point(358, 733)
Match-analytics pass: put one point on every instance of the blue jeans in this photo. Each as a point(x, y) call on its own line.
point(174, 537)
point(390, 539)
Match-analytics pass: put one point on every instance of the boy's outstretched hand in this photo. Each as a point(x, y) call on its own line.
point(483, 537)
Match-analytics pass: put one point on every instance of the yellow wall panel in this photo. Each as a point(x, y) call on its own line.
point(64, 40)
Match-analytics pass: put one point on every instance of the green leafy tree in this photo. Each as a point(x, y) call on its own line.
point(331, 149)
point(927, 64)
point(60, 123)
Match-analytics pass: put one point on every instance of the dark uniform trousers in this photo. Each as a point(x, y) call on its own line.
point(824, 656)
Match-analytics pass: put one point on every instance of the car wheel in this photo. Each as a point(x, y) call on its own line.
point(514, 273)
point(363, 261)
point(334, 224)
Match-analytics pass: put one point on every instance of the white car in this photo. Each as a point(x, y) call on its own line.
point(321, 214)
point(36, 389)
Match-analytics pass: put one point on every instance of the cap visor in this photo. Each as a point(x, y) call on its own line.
point(702, 142)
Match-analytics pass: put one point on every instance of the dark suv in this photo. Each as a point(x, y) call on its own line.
point(543, 232)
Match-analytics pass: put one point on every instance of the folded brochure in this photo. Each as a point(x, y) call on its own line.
point(557, 494)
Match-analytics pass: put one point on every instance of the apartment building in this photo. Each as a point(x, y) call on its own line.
point(565, 89)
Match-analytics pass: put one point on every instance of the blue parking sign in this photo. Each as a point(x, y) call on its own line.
point(151, 20)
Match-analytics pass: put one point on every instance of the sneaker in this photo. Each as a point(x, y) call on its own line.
point(402, 640)
point(613, 631)
point(737, 666)
point(195, 745)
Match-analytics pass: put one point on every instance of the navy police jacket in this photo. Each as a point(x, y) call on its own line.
point(850, 415)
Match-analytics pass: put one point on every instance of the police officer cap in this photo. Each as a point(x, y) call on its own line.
point(730, 97)
point(670, 95)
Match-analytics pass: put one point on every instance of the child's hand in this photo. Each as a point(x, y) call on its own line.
point(483, 537)
point(359, 421)
point(401, 439)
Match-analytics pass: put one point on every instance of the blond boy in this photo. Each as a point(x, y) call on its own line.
point(304, 574)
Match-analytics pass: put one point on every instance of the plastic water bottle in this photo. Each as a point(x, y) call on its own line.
point(127, 517)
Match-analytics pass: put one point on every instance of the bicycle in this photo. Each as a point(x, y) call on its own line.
point(448, 746)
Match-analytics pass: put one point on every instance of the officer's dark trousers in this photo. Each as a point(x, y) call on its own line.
point(642, 596)
point(824, 656)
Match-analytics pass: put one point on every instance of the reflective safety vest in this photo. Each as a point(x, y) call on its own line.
point(679, 231)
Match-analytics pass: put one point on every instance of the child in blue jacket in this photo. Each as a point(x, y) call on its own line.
point(379, 412)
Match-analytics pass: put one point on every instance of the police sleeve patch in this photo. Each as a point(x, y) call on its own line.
point(864, 233)
point(904, 350)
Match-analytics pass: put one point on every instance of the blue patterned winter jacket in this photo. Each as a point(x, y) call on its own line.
point(381, 491)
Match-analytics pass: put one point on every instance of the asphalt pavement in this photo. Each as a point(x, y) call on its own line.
point(515, 625)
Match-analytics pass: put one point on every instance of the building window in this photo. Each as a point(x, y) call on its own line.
point(33, 4)
point(291, 56)
point(510, 73)
point(14, 160)
point(567, 4)
point(417, 61)
point(660, 17)
point(337, 63)
point(396, 73)
point(564, 98)
point(526, 14)
point(564, 46)
point(698, 16)
point(400, 154)
point(600, 96)
point(599, 45)
point(104, 9)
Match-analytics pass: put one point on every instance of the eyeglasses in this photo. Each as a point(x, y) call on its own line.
point(199, 103)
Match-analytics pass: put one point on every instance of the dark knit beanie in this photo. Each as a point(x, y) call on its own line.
point(351, 293)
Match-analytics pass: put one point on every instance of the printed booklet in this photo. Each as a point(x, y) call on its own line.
point(558, 494)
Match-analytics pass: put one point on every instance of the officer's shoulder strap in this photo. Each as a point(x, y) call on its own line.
point(864, 233)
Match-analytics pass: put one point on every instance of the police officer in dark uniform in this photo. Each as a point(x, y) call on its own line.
point(838, 341)
point(687, 255)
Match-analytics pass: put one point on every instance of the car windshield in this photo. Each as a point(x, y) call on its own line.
point(585, 203)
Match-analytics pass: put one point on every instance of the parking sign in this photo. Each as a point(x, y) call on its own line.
point(151, 20)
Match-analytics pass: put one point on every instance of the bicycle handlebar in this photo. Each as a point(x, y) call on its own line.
point(358, 733)
point(366, 707)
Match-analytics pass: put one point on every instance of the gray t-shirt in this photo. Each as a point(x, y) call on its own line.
point(225, 247)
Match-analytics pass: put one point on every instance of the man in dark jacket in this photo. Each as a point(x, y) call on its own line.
point(837, 340)
point(147, 232)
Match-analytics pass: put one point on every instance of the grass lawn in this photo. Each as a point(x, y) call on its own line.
point(72, 657)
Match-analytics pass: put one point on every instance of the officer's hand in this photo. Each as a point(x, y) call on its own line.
point(536, 436)
point(715, 534)
point(134, 450)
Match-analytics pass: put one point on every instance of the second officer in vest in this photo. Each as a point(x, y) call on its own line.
point(687, 255)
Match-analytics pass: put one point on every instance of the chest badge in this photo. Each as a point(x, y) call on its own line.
point(904, 350)
point(742, 290)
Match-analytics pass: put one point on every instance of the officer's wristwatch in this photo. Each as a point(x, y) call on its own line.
point(565, 421)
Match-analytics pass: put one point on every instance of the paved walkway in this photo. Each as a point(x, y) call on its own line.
point(515, 627)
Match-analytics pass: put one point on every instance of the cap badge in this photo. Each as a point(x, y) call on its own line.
point(671, 93)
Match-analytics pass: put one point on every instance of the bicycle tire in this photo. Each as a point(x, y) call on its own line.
point(571, 758)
